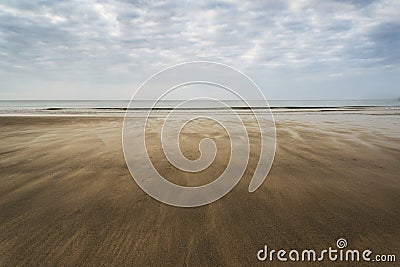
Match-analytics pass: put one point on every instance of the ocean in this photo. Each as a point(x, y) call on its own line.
point(15, 105)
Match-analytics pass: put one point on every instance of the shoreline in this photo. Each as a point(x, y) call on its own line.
point(120, 112)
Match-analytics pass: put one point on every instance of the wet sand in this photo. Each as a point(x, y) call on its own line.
point(67, 197)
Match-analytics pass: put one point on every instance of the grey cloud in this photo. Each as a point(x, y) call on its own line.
point(358, 3)
point(386, 43)
point(111, 38)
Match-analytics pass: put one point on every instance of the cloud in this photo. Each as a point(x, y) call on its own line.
point(110, 41)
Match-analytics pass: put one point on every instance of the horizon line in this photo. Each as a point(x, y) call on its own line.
point(345, 99)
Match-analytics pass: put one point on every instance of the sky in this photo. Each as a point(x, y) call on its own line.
point(304, 49)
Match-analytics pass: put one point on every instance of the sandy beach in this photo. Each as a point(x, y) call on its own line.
point(67, 197)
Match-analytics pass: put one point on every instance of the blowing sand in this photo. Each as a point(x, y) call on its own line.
point(67, 197)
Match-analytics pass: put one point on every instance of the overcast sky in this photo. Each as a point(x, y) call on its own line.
point(291, 49)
